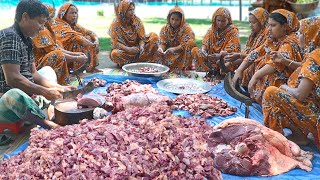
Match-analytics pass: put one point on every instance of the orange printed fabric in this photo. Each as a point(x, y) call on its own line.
point(47, 53)
point(130, 35)
point(228, 40)
point(183, 36)
point(281, 109)
point(288, 47)
point(310, 29)
point(257, 39)
point(71, 37)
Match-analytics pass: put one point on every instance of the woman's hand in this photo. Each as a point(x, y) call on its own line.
point(133, 50)
point(231, 57)
point(82, 58)
point(160, 51)
point(97, 45)
point(141, 49)
point(171, 50)
point(203, 53)
point(237, 75)
point(277, 57)
point(251, 84)
point(213, 57)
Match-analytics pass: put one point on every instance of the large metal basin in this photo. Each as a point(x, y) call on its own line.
point(304, 8)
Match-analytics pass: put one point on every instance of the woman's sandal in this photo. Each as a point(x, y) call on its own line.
point(5, 139)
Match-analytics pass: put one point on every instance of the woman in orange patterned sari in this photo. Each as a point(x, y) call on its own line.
point(221, 38)
point(176, 41)
point(128, 39)
point(297, 105)
point(258, 20)
point(48, 52)
point(74, 37)
point(282, 27)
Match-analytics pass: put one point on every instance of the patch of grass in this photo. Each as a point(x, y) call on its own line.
point(105, 43)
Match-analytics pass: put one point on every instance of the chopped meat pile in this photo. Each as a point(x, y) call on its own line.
point(128, 87)
point(204, 105)
point(143, 143)
point(146, 70)
point(138, 100)
point(97, 82)
point(244, 147)
point(128, 93)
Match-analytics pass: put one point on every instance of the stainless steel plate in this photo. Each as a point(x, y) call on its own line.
point(184, 86)
point(135, 69)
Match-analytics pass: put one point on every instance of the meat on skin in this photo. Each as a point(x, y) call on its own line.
point(137, 100)
point(244, 147)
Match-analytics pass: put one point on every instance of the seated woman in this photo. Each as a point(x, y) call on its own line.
point(221, 38)
point(297, 105)
point(258, 20)
point(74, 37)
point(308, 41)
point(48, 52)
point(128, 39)
point(282, 27)
point(176, 41)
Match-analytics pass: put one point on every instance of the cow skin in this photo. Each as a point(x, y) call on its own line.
point(244, 147)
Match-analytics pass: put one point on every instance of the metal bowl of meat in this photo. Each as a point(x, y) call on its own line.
point(304, 8)
point(145, 69)
point(184, 86)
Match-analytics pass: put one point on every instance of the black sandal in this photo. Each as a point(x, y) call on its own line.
point(5, 139)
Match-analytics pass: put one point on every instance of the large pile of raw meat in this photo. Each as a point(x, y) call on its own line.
point(143, 143)
point(242, 146)
point(132, 93)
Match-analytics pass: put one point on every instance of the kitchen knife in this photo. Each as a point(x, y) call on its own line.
point(73, 94)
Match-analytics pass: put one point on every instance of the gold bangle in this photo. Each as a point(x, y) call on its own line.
point(290, 63)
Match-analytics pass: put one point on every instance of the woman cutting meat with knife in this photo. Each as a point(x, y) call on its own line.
point(221, 38)
point(282, 38)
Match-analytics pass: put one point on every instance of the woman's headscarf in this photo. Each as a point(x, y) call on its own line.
point(224, 12)
point(262, 15)
point(179, 10)
point(51, 9)
point(63, 10)
point(310, 28)
point(292, 20)
point(183, 25)
point(257, 39)
point(122, 9)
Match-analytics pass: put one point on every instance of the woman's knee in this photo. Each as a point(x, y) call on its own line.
point(270, 94)
point(114, 54)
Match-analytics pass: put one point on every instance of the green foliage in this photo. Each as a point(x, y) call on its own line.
point(105, 43)
point(304, 1)
point(100, 13)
